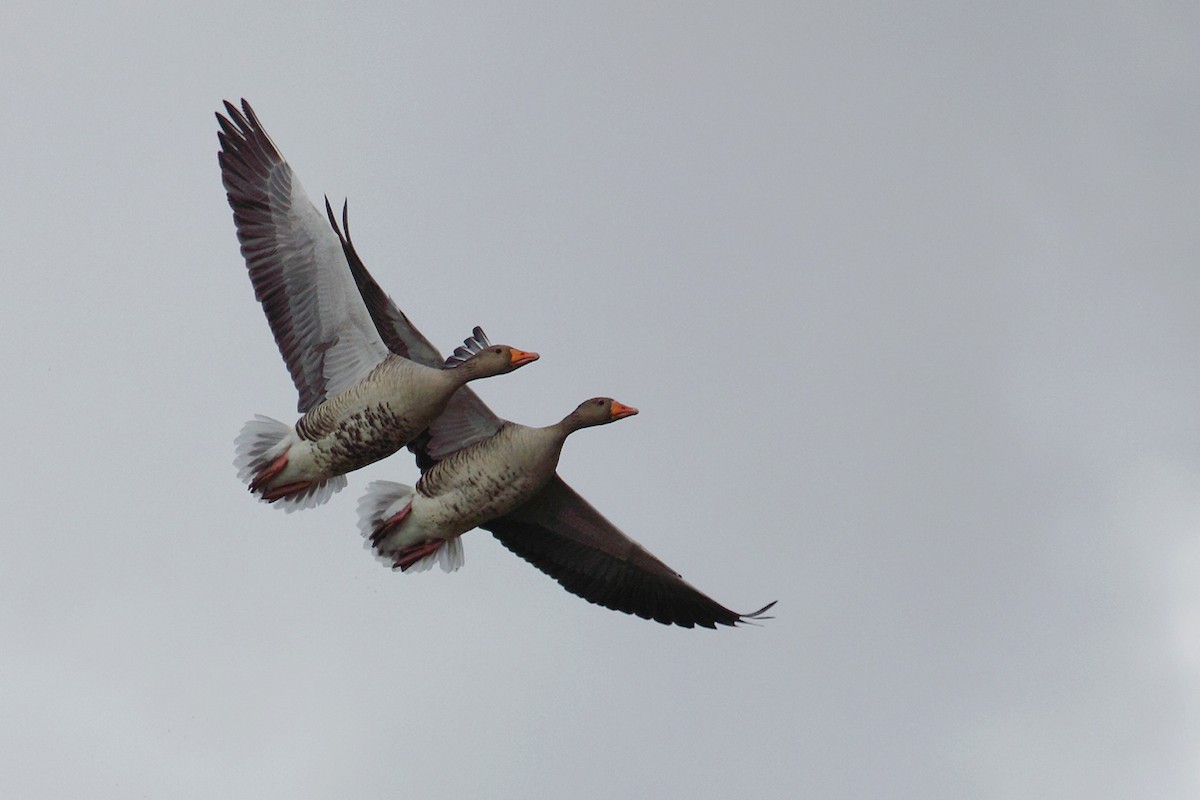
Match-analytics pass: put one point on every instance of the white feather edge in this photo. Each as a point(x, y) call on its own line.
point(475, 343)
point(260, 442)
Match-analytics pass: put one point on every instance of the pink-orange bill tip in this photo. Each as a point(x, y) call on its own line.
point(520, 357)
point(620, 410)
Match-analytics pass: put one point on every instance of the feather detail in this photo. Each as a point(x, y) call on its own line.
point(475, 343)
point(296, 263)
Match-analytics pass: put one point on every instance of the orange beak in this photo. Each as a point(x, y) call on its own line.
point(620, 410)
point(520, 357)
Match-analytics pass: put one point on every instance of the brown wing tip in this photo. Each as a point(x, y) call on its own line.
point(759, 615)
point(250, 115)
point(343, 232)
point(242, 121)
point(242, 129)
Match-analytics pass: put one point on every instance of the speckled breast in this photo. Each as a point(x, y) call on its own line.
point(365, 437)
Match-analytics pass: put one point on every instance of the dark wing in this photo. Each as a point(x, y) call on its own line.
point(296, 264)
point(562, 535)
point(466, 419)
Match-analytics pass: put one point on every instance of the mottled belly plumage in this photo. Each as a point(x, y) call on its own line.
point(482, 483)
point(361, 438)
point(375, 417)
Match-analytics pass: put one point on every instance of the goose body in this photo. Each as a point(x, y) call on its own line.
point(303, 464)
point(361, 399)
point(482, 482)
point(482, 471)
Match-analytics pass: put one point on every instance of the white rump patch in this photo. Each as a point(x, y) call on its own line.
point(475, 343)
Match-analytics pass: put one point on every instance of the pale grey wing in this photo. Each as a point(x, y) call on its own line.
point(467, 419)
point(562, 535)
point(296, 263)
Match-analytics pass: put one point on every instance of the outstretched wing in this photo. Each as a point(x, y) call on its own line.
point(562, 535)
point(391, 324)
point(466, 419)
point(296, 264)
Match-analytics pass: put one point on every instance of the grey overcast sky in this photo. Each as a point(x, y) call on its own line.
point(906, 294)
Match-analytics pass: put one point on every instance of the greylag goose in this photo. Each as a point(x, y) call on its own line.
point(361, 400)
point(529, 508)
point(409, 527)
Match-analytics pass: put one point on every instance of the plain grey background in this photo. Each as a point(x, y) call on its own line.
point(906, 295)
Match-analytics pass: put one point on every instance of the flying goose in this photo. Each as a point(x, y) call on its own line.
point(361, 398)
point(411, 527)
point(552, 527)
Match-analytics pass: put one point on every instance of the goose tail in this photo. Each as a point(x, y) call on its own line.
point(381, 514)
point(261, 458)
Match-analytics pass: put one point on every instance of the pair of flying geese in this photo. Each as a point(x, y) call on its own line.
point(370, 384)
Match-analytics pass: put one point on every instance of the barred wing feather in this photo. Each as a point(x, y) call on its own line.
point(296, 264)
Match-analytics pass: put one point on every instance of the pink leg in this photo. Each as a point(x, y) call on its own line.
point(408, 556)
point(389, 524)
point(397, 518)
point(270, 472)
point(279, 492)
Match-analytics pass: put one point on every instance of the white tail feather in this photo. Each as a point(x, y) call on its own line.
point(313, 496)
point(382, 500)
point(449, 557)
point(385, 499)
point(261, 441)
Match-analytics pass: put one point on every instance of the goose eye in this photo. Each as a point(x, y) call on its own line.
point(497, 351)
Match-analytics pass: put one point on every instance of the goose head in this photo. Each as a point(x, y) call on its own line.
point(598, 411)
point(496, 359)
